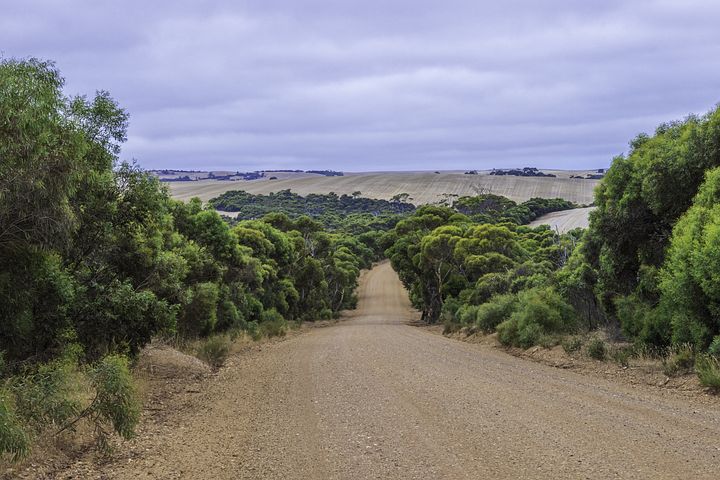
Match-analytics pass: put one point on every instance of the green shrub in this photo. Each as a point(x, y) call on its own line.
point(235, 333)
point(622, 356)
point(254, 331)
point(689, 280)
point(116, 401)
point(214, 350)
point(450, 315)
point(508, 332)
point(548, 341)
point(14, 442)
point(681, 361)
point(539, 312)
point(596, 349)
point(455, 319)
point(631, 313)
point(489, 285)
point(50, 394)
point(199, 315)
point(491, 314)
point(272, 324)
point(571, 344)
point(228, 316)
point(529, 334)
point(714, 348)
point(466, 315)
point(707, 368)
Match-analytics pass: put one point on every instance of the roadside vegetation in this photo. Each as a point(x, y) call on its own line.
point(96, 260)
point(645, 272)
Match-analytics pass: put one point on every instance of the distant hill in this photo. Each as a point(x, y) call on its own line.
point(422, 187)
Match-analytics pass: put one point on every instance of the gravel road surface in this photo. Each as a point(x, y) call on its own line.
point(374, 398)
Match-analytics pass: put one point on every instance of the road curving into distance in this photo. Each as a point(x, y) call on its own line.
point(372, 397)
point(565, 220)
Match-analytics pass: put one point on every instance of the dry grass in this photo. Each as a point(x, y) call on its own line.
point(423, 187)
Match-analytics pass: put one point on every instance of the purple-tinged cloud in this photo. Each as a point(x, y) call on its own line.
point(380, 85)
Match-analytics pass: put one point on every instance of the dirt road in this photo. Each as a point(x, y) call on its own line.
point(372, 397)
point(565, 220)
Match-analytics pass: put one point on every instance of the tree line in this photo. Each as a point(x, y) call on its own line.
point(645, 270)
point(96, 259)
point(328, 208)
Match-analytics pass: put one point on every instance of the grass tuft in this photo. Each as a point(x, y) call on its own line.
point(214, 351)
point(596, 349)
point(707, 368)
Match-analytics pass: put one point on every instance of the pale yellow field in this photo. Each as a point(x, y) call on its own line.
point(566, 220)
point(423, 187)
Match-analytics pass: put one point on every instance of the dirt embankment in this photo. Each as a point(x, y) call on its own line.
point(372, 397)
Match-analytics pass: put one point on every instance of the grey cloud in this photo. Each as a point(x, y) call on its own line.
point(380, 84)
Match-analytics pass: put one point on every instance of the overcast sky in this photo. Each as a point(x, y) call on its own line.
point(379, 84)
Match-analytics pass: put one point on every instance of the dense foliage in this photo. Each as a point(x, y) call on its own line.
point(96, 259)
point(327, 208)
point(645, 271)
point(521, 172)
point(489, 208)
point(650, 253)
point(469, 274)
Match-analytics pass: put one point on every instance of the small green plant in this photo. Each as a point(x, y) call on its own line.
point(707, 368)
point(49, 395)
point(498, 309)
point(596, 349)
point(449, 316)
point(235, 333)
point(214, 351)
point(539, 312)
point(507, 332)
point(450, 326)
point(253, 330)
point(273, 324)
point(116, 401)
point(680, 362)
point(14, 441)
point(714, 348)
point(529, 335)
point(548, 341)
point(622, 356)
point(571, 344)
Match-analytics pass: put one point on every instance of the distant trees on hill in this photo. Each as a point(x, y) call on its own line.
point(235, 176)
point(327, 173)
point(322, 206)
point(524, 172)
point(491, 208)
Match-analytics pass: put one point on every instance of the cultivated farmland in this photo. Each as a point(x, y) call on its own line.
point(423, 187)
